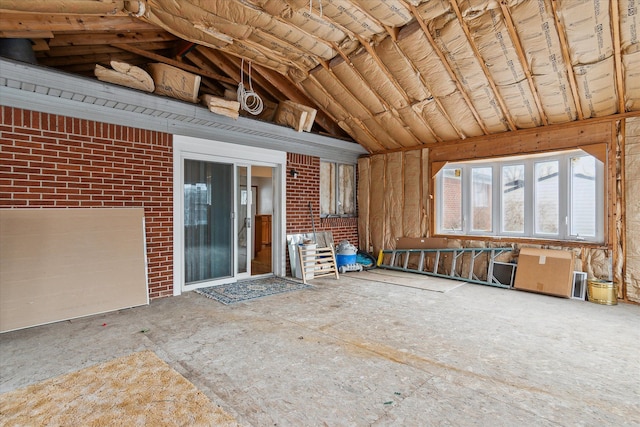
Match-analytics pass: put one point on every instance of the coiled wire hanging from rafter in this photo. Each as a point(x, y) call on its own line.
point(248, 99)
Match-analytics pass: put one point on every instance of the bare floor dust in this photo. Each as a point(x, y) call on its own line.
point(139, 389)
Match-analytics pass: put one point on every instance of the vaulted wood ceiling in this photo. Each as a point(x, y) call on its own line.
point(390, 74)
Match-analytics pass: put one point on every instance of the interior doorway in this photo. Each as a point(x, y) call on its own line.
point(262, 186)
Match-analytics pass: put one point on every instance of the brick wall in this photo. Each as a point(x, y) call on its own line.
point(305, 188)
point(53, 161)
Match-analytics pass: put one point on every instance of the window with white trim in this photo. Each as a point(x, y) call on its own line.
point(557, 196)
point(337, 189)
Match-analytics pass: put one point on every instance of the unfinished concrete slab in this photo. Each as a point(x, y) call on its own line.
point(361, 352)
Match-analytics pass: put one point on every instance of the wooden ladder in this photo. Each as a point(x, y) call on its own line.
point(317, 262)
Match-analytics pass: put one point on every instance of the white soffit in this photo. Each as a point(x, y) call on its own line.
point(41, 89)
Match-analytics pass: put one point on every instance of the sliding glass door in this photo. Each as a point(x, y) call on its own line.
point(208, 221)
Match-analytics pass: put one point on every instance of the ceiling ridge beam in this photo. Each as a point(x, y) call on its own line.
point(515, 39)
point(615, 25)
point(487, 73)
point(567, 60)
point(62, 23)
point(452, 74)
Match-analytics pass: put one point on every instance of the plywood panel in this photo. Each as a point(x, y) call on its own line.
point(58, 264)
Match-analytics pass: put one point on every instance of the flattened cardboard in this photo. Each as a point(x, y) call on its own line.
point(421, 243)
point(545, 271)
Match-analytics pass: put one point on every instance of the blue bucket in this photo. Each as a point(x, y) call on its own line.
point(345, 259)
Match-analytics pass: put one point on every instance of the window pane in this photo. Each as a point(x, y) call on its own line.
point(583, 196)
point(546, 197)
point(513, 199)
point(481, 184)
point(346, 184)
point(327, 189)
point(452, 199)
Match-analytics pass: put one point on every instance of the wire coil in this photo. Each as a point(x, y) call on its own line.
point(248, 99)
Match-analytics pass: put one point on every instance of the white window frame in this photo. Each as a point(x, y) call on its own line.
point(564, 195)
point(337, 192)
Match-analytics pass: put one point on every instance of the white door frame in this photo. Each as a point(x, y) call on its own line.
point(185, 147)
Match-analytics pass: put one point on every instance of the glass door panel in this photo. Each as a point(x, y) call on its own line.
point(243, 201)
point(208, 227)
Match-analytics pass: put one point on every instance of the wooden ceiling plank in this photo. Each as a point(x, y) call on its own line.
point(452, 74)
point(567, 60)
point(492, 83)
point(174, 63)
point(40, 45)
point(617, 52)
point(40, 34)
point(71, 23)
point(85, 39)
point(76, 7)
point(515, 39)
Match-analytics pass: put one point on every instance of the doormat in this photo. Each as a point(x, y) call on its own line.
point(139, 389)
point(250, 289)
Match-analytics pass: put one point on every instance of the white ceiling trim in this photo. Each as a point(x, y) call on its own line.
point(41, 89)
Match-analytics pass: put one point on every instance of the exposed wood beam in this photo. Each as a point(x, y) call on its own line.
point(55, 51)
point(66, 7)
point(208, 59)
point(40, 34)
point(515, 39)
point(615, 25)
point(105, 58)
point(87, 39)
point(445, 63)
point(175, 63)
point(567, 60)
point(492, 83)
point(70, 23)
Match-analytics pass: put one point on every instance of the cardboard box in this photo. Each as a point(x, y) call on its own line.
point(545, 271)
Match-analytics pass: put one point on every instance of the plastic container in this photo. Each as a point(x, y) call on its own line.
point(342, 259)
point(602, 292)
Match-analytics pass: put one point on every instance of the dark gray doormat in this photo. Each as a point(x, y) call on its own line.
point(250, 289)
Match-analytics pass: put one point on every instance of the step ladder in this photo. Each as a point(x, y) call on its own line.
point(317, 262)
point(398, 259)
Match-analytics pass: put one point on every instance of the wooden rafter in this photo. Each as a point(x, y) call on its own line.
point(15, 22)
point(84, 39)
point(58, 51)
point(492, 83)
point(67, 7)
point(567, 60)
point(515, 39)
point(231, 67)
point(175, 63)
point(615, 25)
point(445, 63)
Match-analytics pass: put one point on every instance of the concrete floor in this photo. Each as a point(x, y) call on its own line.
point(356, 352)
